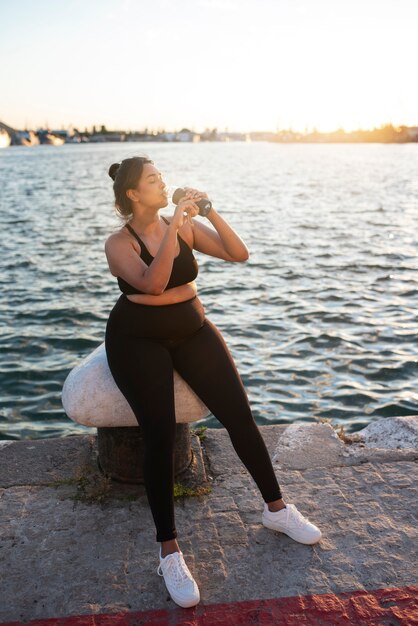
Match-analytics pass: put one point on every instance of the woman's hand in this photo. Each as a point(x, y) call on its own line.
point(188, 204)
point(195, 194)
point(184, 206)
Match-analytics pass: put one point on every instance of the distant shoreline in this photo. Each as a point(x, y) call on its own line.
point(386, 134)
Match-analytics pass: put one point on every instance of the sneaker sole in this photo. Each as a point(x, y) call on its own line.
point(184, 604)
point(308, 542)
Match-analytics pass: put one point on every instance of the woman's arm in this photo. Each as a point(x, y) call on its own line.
point(124, 261)
point(223, 243)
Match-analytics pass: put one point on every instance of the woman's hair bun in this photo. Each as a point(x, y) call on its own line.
point(113, 170)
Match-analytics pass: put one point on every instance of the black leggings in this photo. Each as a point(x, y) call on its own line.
point(143, 345)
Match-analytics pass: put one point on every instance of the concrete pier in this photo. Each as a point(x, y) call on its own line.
point(77, 547)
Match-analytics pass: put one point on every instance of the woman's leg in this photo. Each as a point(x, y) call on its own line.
point(206, 364)
point(143, 371)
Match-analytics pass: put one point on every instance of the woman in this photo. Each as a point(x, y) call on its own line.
point(159, 323)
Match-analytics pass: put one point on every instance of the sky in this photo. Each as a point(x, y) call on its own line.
point(236, 65)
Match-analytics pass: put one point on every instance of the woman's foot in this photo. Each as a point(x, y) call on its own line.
point(168, 547)
point(291, 522)
point(276, 505)
point(178, 579)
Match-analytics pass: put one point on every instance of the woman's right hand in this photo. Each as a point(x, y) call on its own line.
point(184, 206)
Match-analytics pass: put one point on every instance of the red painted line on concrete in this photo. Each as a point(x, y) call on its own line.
point(396, 606)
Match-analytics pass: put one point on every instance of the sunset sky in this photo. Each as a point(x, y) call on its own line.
point(239, 65)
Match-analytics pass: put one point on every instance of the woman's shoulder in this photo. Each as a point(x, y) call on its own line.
point(115, 244)
point(122, 232)
point(123, 235)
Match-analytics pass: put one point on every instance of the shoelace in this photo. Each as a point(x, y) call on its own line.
point(294, 516)
point(176, 567)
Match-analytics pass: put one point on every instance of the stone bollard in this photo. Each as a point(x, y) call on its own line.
point(121, 452)
point(91, 397)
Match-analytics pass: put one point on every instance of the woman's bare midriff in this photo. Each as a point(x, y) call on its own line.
point(170, 296)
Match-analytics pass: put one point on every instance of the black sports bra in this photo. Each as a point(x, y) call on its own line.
point(185, 267)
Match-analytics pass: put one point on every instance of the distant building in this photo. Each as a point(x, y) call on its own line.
point(97, 138)
point(227, 136)
point(183, 135)
point(187, 135)
point(141, 137)
point(168, 137)
point(107, 136)
point(412, 132)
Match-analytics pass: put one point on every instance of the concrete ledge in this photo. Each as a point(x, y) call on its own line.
point(36, 461)
point(297, 446)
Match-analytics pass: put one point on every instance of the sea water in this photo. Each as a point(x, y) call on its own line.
point(321, 319)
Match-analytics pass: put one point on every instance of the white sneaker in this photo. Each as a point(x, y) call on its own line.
point(291, 522)
point(177, 577)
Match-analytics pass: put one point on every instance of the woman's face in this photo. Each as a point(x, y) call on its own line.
point(151, 189)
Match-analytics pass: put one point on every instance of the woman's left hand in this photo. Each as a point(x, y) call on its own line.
point(194, 195)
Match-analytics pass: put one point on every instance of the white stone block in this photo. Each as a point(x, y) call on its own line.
point(391, 433)
point(91, 397)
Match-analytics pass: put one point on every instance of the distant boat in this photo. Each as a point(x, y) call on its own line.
point(25, 138)
point(49, 139)
point(5, 139)
point(73, 139)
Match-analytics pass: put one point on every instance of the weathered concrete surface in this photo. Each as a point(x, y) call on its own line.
point(62, 557)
